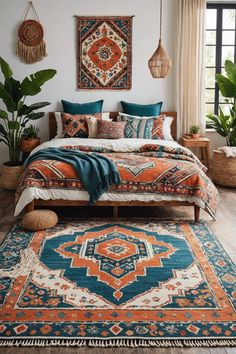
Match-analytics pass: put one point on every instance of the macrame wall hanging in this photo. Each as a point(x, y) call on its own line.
point(31, 46)
point(160, 63)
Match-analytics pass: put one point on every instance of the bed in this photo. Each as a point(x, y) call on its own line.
point(153, 173)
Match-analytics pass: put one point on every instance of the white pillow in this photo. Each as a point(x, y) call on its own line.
point(167, 121)
point(105, 116)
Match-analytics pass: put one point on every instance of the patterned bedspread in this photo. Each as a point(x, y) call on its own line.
point(152, 169)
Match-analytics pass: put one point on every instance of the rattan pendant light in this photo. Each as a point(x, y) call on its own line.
point(160, 63)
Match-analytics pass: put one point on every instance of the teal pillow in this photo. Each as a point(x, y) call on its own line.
point(138, 128)
point(82, 108)
point(141, 110)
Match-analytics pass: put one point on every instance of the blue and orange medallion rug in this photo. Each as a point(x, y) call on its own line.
point(108, 284)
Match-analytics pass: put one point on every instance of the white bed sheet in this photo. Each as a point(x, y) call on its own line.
point(119, 145)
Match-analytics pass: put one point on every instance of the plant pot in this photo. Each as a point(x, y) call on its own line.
point(27, 145)
point(195, 136)
point(10, 176)
point(223, 169)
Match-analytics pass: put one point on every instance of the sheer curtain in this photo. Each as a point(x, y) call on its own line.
point(190, 64)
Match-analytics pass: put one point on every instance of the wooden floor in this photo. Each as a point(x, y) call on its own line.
point(224, 228)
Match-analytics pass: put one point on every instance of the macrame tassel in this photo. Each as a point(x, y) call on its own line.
point(29, 54)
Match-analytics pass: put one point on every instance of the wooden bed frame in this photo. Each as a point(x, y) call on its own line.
point(115, 205)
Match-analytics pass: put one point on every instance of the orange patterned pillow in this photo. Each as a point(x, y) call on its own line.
point(162, 128)
point(157, 130)
point(110, 130)
point(76, 126)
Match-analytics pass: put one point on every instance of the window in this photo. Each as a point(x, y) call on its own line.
point(220, 45)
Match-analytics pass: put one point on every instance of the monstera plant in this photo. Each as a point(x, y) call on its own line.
point(225, 124)
point(18, 113)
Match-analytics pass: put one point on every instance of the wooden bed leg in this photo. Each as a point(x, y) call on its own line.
point(115, 211)
point(30, 206)
point(196, 213)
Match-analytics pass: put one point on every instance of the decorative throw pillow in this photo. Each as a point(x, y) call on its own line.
point(141, 110)
point(110, 130)
point(138, 128)
point(58, 117)
point(82, 108)
point(161, 126)
point(75, 126)
point(93, 126)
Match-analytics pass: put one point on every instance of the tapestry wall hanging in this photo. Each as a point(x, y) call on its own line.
point(104, 54)
point(31, 46)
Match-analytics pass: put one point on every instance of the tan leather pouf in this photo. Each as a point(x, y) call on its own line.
point(39, 219)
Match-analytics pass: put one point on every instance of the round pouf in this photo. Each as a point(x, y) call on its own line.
point(37, 220)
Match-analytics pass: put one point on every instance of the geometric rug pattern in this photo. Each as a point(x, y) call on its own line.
point(130, 283)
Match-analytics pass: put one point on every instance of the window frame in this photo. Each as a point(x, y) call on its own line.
point(219, 6)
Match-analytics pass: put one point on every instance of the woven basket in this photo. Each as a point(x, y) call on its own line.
point(27, 145)
point(10, 176)
point(223, 169)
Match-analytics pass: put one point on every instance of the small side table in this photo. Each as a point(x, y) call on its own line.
point(203, 144)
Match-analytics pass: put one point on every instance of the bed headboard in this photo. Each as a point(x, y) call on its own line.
point(113, 115)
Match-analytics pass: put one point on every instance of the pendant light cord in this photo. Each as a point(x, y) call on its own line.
point(160, 17)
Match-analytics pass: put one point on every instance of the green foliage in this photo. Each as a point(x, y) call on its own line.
point(194, 129)
point(30, 133)
point(17, 114)
point(225, 124)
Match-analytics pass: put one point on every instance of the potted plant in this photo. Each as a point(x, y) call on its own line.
point(29, 139)
point(194, 129)
point(225, 125)
point(17, 114)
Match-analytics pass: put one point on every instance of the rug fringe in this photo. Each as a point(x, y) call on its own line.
point(117, 343)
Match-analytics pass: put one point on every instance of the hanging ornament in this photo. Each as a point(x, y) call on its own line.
point(160, 63)
point(31, 46)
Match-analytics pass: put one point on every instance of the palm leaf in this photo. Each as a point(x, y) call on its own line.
point(227, 88)
point(5, 67)
point(32, 86)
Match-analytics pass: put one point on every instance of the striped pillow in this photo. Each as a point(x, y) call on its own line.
point(161, 125)
point(137, 127)
point(110, 130)
point(76, 126)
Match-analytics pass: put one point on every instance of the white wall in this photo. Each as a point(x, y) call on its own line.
point(57, 18)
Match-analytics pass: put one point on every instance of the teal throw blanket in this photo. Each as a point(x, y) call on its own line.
point(96, 172)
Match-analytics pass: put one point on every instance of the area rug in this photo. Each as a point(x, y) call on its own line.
point(104, 284)
point(104, 52)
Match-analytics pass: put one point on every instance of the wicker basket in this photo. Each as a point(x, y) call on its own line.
point(10, 176)
point(224, 169)
point(27, 145)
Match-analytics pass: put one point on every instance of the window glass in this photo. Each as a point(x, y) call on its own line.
point(210, 96)
point(220, 46)
point(228, 37)
point(227, 53)
point(210, 77)
point(211, 37)
point(210, 55)
point(225, 108)
point(211, 19)
point(228, 19)
point(209, 108)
